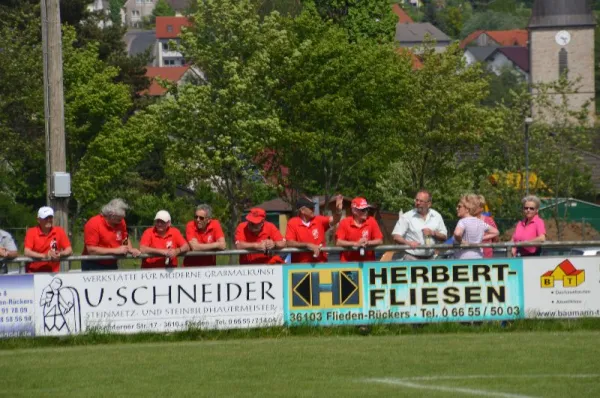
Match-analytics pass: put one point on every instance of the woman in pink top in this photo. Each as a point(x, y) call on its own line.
point(530, 229)
point(488, 252)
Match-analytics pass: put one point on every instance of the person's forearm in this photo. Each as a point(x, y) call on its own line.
point(399, 240)
point(300, 245)
point(66, 252)
point(280, 244)
point(540, 238)
point(152, 250)
point(439, 236)
point(375, 242)
point(34, 254)
point(346, 243)
point(248, 245)
point(96, 250)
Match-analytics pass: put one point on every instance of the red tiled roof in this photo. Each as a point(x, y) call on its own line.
point(470, 38)
point(170, 27)
point(515, 37)
point(567, 267)
point(548, 273)
point(416, 61)
point(171, 73)
point(403, 17)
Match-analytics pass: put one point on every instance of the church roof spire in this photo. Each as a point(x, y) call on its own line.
point(561, 13)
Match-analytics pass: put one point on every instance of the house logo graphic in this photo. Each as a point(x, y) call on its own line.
point(322, 289)
point(565, 273)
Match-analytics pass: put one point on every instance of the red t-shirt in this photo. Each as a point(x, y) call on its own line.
point(349, 231)
point(243, 234)
point(211, 234)
point(37, 241)
point(313, 233)
point(171, 240)
point(97, 232)
point(488, 252)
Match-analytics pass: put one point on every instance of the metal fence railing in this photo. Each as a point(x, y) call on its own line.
point(503, 248)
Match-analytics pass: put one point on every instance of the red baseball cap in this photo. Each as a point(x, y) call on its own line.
point(360, 203)
point(256, 215)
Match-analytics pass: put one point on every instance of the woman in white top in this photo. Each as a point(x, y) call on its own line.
point(471, 229)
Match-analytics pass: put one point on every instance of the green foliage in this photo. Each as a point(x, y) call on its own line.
point(161, 9)
point(115, 11)
point(504, 87)
point(372, 19)
point(493, 20)
point(13, 214)
point(337, 100)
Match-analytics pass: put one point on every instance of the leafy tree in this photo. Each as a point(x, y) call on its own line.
point(502, 87)
point(337, 101)
point(492, 20)
point(372, 19)
point(115, 11)
point(162, 9)
point(445, 121)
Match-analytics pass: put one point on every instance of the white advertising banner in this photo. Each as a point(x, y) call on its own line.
point(158, 300)
point(559, 287)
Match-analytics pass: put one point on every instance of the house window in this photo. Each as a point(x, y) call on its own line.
point(563, 63)
point(169, 28)
point(169, 62)
point(165, 46)
point(135, 13)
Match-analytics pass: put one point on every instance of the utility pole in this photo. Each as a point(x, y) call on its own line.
point(58, 186)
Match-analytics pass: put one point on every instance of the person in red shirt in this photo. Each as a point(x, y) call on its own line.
point(358, 232)
point(106, 233)
point(46, 242)
point(164, 240)
point(203, 234)
point(308, 231)
point(257, 234)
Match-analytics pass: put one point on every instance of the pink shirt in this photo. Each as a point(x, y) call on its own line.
point(488, 252)
point(529, 231)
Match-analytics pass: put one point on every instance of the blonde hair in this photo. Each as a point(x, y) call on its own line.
point(471, 203)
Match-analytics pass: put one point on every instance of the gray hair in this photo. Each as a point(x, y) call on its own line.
point(115, 207)
point(206, 208)
point(532, 198)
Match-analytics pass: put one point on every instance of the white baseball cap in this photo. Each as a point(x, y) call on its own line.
point(163, 215)
point(45, 212)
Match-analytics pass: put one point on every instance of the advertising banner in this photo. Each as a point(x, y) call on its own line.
point(403, 292)
point(16, 306)
point(158, 300)
point(557, 287)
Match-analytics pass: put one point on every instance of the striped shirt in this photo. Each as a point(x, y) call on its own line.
point(473, 231)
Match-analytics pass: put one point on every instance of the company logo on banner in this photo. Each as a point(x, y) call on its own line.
point(325, 289)
point(158, 300)
point(564, 273)
point(60, 308)
point(404, 292)
point(562, 288)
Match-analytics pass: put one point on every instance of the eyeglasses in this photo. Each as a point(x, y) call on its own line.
point(525, 208)
point(366, 209)
point(201, 218)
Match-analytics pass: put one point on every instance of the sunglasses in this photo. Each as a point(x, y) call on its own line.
point(459, 206)
point(200, 218)
point(529, 208)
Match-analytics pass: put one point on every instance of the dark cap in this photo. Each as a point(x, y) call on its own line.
point(305, 202)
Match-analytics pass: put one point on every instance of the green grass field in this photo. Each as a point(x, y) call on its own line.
point(517, 364)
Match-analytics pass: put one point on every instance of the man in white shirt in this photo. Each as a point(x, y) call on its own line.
point(420, 226)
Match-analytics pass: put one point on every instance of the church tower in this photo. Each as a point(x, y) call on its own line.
point(561, 38)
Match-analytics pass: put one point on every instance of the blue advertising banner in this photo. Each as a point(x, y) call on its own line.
point(403, 292)
point(16, 306)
